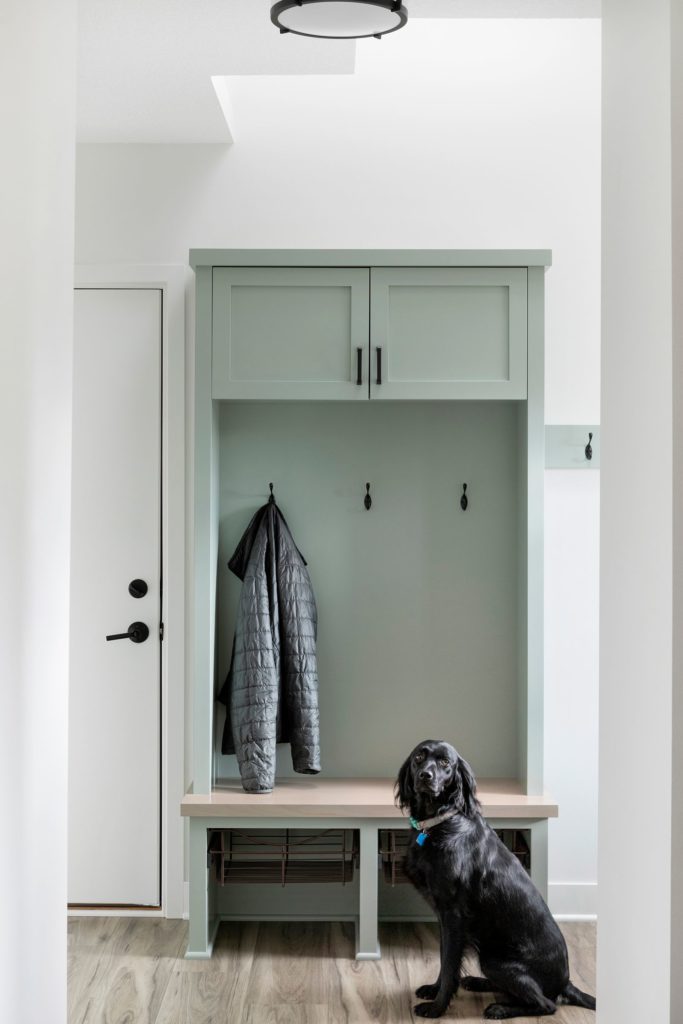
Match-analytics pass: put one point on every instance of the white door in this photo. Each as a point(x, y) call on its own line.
point(114, 699)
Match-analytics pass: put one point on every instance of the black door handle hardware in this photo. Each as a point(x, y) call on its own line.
point(588, 450)
point(379, 365)
point(137, 588)
point(137, 632)
point(359, 366)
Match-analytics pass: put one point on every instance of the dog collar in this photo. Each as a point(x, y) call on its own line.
point(422, 826)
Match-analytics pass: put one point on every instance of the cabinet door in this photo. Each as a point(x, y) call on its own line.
point(290, 333)
point(448, 333)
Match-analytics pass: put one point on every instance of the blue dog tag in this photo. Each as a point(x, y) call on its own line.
point(422, 839)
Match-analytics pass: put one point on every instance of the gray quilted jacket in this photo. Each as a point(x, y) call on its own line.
point(271, 692)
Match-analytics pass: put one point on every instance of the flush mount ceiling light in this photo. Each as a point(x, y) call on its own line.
point(339, 19)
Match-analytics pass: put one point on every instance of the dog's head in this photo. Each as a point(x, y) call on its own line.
point(435, 778)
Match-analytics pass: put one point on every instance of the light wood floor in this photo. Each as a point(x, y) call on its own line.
point(132, 971)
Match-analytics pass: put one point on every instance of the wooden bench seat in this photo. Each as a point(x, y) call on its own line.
point(308, 797)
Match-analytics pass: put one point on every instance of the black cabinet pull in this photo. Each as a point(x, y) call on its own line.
point(379, 365)
point(359, 366)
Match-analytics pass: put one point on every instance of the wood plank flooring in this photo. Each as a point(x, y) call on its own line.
point(132, 971)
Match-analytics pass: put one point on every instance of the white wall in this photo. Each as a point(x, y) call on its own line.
point(37, 111)
point(572, 550)
point(636, 872)
point(454, 134)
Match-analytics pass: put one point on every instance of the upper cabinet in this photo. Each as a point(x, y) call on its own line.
point(290, 332)
point(448, 332)
point(359, 333)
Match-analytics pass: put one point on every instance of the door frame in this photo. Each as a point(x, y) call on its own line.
point(173, 281)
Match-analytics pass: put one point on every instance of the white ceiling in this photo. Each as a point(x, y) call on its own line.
point(146, 66)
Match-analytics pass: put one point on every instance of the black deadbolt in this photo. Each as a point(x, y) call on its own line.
point(137, 588)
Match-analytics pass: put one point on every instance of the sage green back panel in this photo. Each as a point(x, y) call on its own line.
point(417, 600)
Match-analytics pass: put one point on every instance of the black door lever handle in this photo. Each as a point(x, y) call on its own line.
point(137, 632)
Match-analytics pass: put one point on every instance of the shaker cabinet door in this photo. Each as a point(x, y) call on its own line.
point(290, 333)
point(448, 333)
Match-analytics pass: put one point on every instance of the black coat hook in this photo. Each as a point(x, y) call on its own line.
point(367, 501)
point(463, 501)
point(588, 451)
point(271, 499)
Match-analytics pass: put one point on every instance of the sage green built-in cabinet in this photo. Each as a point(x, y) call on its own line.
point(356, 333)
point(430, 614)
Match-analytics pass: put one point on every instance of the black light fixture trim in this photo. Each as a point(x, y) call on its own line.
point(394, 6)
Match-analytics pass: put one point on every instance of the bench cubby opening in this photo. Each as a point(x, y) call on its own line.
point(393, 844)
point(283, 856)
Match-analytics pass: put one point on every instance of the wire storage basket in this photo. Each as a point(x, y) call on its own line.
point(517, 841)
point(393, 844)
point(283, 855)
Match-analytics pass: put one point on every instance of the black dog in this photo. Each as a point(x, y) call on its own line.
point(483, 897)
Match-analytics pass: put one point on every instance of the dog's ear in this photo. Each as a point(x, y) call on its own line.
point(468, 788)
point(461, 793)
point(404, 793)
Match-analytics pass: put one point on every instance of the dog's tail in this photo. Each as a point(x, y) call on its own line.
point(573, 996)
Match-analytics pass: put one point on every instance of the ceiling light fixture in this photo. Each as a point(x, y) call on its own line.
point(339, 19)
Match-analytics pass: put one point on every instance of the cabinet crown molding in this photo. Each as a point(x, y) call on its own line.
point(370, 258)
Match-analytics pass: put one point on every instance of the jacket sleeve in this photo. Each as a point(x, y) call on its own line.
point(255, 671)
point(298, 635)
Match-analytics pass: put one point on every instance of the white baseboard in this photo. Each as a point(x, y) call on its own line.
point(573, 901)
point(113, 912)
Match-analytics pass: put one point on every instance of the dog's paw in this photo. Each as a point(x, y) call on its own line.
point(427, 991)
point(428, 1010)
point(496, 1011)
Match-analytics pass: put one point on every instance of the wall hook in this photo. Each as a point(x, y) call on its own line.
point(367, 501)
point(589, 448)
point(463, 501)
point(271, 499)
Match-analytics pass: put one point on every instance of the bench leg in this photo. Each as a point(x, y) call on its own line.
point(539, 856)
point(367, 945)
point(202, 932)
